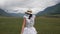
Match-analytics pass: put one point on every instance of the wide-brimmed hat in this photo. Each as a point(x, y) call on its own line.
point(29, 11)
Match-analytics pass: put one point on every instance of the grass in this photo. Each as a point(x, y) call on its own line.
point(48, 25)
point(12, 25)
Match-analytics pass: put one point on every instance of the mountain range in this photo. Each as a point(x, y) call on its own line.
point(3, 13)
point(53, 10)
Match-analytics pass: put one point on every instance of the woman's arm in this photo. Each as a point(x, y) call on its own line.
point(24, 21)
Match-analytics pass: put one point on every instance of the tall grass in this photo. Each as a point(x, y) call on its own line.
point(43, 25)
point(10, 25)
point(47, 25)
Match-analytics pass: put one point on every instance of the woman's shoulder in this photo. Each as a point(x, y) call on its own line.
point(25, 16)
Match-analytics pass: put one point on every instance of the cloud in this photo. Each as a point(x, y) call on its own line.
point(35, 5)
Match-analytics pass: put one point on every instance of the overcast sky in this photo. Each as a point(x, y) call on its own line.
point(20, 6)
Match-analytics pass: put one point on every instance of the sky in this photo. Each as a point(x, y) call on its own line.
point(21, 6)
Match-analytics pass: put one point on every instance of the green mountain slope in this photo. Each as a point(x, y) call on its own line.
point(54, 10)
point(3, 13)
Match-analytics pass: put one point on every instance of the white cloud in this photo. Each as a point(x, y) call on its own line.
point(35, 5)
point(23, 10)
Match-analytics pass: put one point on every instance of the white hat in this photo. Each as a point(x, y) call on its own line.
point(29, 11)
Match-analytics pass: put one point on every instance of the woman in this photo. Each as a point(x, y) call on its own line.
point(28, 23)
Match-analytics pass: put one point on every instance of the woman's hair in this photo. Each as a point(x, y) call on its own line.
point(30, 15)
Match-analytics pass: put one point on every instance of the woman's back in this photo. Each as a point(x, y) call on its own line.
point(29, 22)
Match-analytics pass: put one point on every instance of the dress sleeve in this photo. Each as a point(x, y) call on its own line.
point(24, 16)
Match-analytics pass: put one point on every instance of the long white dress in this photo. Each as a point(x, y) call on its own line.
point(29, 29)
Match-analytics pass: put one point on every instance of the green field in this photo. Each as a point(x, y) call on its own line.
point(12, 25)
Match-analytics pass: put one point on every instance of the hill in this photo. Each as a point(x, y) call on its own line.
point(16, 14)
point(54, 10)
point(3, 13)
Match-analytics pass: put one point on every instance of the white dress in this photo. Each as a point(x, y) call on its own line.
point(29, 29)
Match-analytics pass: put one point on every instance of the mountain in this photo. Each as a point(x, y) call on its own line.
point(54, 10)
point(16, 14)
point(3, 13)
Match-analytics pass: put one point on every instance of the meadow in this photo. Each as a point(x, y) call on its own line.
point(43, 25)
